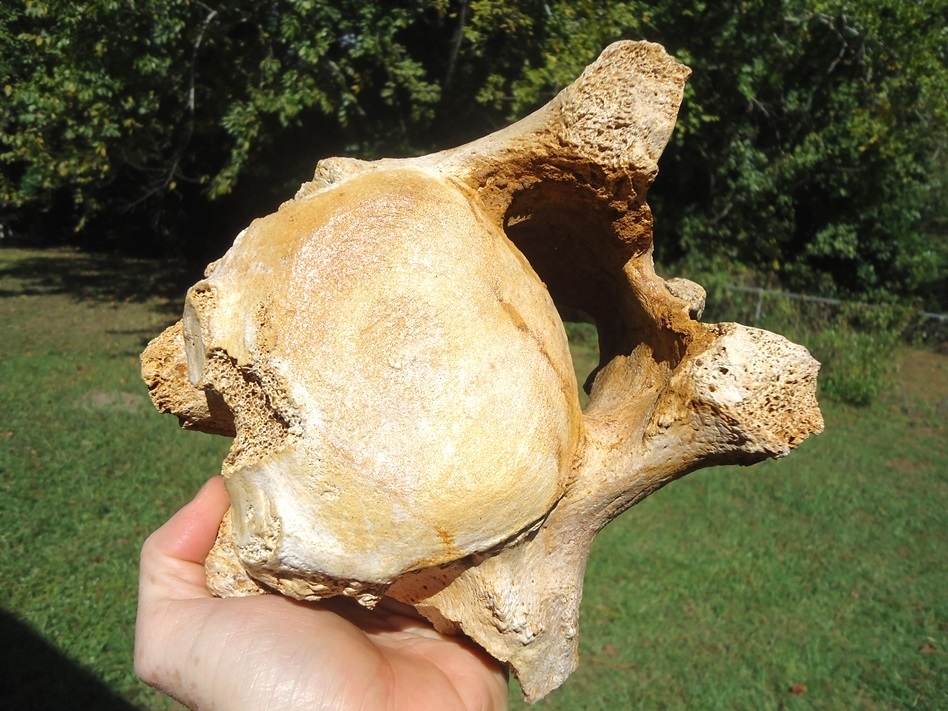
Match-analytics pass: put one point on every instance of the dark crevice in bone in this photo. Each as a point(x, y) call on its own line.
point(568, 231)
point(566, 234)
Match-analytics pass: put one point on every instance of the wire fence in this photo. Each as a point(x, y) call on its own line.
point(761, 293)
point(810, 317)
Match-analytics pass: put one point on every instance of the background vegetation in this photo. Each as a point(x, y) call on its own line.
point(811, 146)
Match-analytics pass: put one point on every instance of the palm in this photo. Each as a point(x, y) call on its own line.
point(271, 652)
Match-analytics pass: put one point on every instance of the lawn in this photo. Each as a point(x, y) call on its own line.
point(815, 582)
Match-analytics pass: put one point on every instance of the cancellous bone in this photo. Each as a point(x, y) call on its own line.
point(386, 352)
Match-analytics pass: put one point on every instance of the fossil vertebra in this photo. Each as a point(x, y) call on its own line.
point(386, 351)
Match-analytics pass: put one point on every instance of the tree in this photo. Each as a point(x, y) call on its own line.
point(811, 144)
point(116, 108)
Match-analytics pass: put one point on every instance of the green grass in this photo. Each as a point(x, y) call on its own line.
point(826, 570)
point(87, 469)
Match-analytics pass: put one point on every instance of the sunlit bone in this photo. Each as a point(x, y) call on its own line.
point(386, 350)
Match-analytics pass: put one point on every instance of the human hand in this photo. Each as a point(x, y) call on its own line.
point(270, 652)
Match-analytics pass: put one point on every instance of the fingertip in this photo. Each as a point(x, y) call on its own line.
point(191, 532)
point(214, 490)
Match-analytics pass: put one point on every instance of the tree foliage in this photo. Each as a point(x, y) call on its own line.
point(119, 107)
point(811, 144)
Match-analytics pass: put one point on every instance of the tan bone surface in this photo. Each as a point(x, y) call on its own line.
point(387, 351)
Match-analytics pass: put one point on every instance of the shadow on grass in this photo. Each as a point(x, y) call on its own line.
point(93, 277)
point(36, 676)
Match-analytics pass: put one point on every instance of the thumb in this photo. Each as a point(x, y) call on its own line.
point(172, 559)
